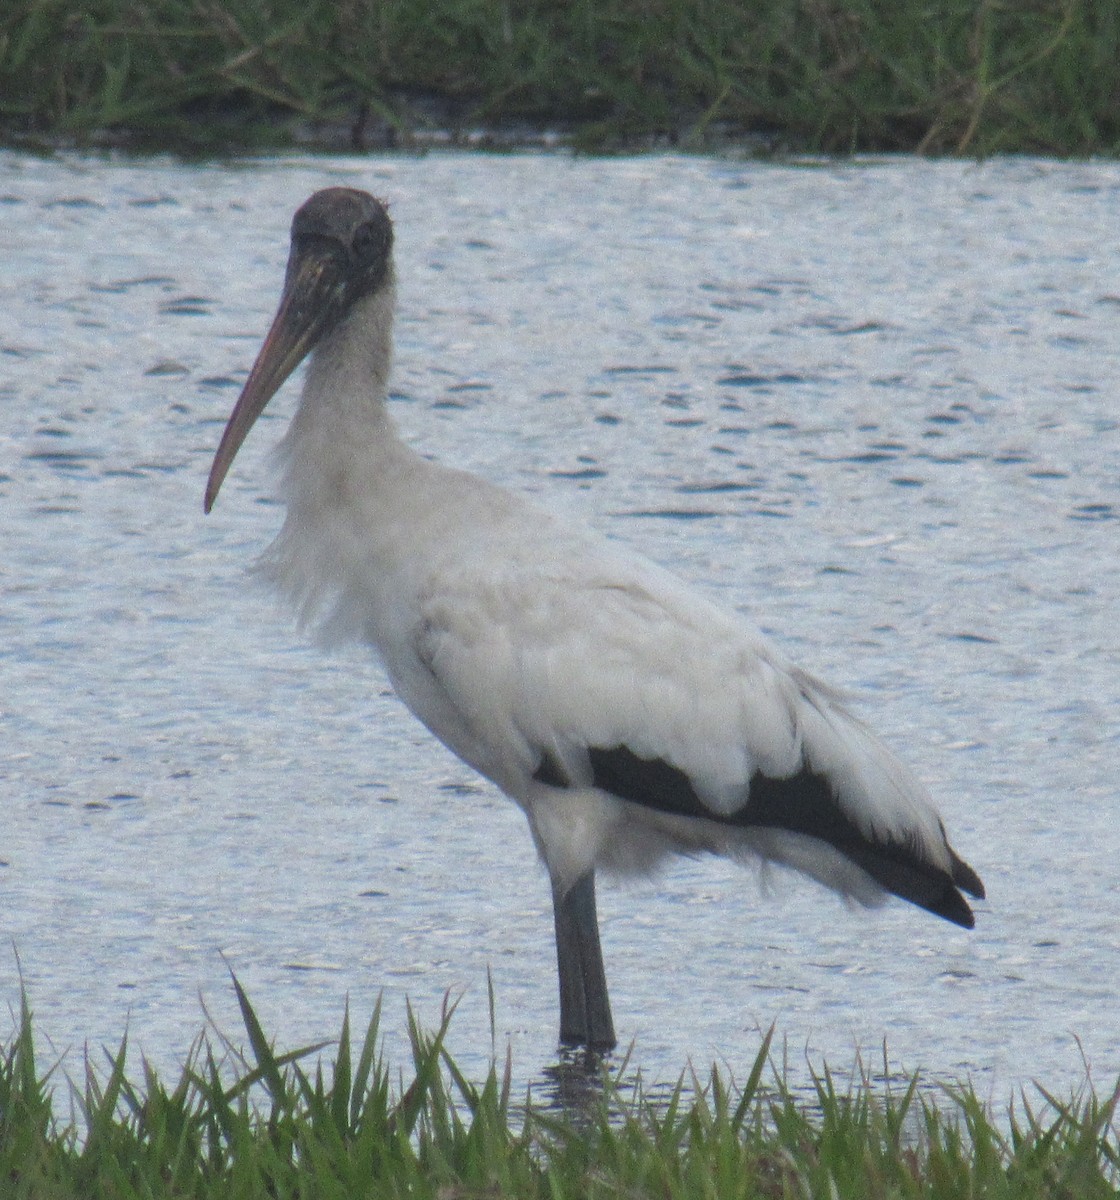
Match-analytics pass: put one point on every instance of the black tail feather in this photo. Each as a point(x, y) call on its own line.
point(965, 877)
point(803, 803)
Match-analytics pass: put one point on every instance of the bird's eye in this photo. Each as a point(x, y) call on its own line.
point(366, 241)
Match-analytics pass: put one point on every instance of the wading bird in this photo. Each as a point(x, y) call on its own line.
point(628, 715)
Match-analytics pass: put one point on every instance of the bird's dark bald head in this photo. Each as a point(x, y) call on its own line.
point(353, 229)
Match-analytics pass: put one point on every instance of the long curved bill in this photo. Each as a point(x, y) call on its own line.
point(308, 308)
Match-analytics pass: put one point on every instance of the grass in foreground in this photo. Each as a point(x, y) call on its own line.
point(277, 1125)
point(944, 76)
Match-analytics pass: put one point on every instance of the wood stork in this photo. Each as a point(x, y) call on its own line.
point(628, 715)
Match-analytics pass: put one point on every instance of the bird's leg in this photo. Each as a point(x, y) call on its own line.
point(585, 1007)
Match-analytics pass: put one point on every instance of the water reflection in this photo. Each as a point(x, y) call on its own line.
point(575, 1085)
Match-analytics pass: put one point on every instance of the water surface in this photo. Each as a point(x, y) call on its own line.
point(872, 404)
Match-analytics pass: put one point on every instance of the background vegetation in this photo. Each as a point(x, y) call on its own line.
point(937, 76)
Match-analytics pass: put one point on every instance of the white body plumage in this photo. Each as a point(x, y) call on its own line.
point(627, 714)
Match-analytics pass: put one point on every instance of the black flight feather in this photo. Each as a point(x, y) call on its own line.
point(800, 803)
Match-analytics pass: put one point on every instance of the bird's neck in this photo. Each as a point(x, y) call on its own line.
point(342, 449)
point(346, 477)
point(347, 376)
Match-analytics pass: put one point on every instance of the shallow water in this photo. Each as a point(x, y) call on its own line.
point(872, 404)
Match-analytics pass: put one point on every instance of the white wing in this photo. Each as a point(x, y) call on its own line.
point(581, 667)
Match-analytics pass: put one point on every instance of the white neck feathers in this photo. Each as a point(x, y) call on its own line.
point(348, 373)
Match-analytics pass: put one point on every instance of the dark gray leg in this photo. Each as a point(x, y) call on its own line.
point(585, 1007)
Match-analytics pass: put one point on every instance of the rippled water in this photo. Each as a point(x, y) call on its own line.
point(873, 404)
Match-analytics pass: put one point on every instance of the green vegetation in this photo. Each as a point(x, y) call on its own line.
point(938, 76)
point(271, 1126)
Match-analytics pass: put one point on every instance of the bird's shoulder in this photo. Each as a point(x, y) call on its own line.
point(543, 580)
